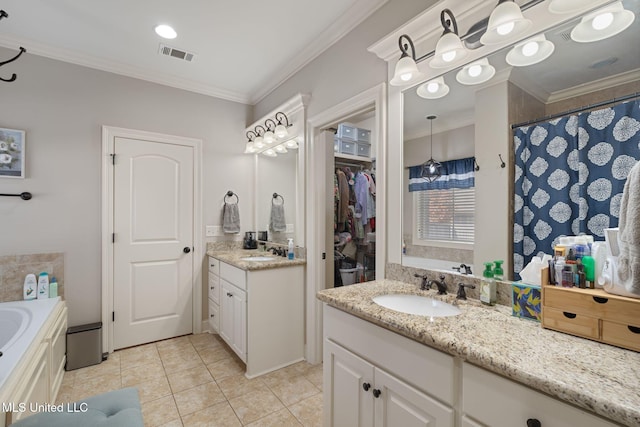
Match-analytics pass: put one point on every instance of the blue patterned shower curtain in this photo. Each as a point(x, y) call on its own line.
point(569, 177)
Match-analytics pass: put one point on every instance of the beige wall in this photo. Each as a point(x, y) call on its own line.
point(62, 108)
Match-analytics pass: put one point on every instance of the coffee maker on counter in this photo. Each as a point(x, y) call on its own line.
point(250, 241)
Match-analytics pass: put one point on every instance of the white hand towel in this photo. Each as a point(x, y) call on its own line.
point(277, 223)
point(230, 218)
point(629, 234)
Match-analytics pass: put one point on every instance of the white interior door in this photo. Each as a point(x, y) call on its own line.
point(153, 239)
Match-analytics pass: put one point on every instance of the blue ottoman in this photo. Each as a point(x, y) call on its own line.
point(119, 408)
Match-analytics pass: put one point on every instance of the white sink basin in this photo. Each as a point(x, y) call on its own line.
point(257, 258)
point(416, 304)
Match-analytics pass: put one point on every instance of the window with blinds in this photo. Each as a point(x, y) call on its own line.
point(445, 214)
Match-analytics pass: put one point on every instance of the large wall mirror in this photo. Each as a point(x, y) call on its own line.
point(574, 75)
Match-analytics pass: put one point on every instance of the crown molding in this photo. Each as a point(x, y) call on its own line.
point(89, 61)
point(290, 107)
point(356, 14)
point(596, 85)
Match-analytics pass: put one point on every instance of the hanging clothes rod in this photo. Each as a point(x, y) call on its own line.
point(577, 110)
point(353, 165)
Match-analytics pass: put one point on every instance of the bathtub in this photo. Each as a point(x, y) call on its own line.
point(20, 322)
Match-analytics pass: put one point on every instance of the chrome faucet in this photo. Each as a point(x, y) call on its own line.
point(442, 286)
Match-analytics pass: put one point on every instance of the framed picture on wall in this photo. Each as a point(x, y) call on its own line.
point(11, 153)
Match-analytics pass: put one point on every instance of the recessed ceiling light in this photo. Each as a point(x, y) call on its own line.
point(165, 31)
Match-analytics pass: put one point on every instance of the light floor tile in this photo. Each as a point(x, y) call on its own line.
point(281, 418)
point(218, 415)
point(137, 356)
point(153, 389)
point(96, 385)
point(205, 340)
point(315, 376)
point(142, 373)
point(293, 390)
point(189, 378)
point(309, 411)
point(255, 405)
point(111, 366)
point(160, 412)
point(215, 354)
point(239, 385)
point(179, 362)
point(198, 398)
point(225, 368)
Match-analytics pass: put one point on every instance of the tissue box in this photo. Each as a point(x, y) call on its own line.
point(526, 301)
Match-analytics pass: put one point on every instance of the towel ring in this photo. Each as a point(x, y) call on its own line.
point(231, 194)
point(275, 197)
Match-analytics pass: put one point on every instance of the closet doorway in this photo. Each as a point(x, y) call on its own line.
point(367, 110)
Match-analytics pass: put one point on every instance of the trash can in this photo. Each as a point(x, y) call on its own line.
point(84, 346)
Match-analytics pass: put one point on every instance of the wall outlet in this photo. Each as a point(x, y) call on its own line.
point(289, 228)
point(214, 230)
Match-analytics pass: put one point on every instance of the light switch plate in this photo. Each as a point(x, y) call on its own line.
point(213, 230)
point(289, 228)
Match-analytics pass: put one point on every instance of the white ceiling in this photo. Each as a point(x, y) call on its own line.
point(244, 48)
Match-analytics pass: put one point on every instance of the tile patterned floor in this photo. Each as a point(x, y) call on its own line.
point(197, 380)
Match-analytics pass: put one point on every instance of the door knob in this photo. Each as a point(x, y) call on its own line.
point(366, 386)
point(376, 393)
point(533, 422)
point(186, 249)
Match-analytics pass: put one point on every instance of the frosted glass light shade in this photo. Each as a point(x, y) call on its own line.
point(449, 51)
point(280, 149)
point(433, 89)
point(270, 153)
point(476, 72)
point(249, 148)
point(281, 131)
point(406, 72)
point(603, 23)
point(505, 23)
point(258, 142)
point(269, 137)
point(292, 143)
point(530, 51)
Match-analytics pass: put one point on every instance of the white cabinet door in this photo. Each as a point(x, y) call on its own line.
point(348, 387)
point(34, 389)
point(233, 325)
point(468, 422)
point(399, 404)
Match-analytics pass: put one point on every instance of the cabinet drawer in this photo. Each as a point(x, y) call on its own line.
point(483, 390)
point(621, 334)
point(347, 132)
point(214, 316)
point(214, 288)
point(214, 266)
point(573, 323)
point(364, 135)
point(234, 275)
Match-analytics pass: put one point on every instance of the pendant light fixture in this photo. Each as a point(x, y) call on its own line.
point(603, 23)
point(433, 89)
point(431, 170)
point(406, 71)
point(506, 22)
point(531, 51)
point(475, 73)
point(449, 49)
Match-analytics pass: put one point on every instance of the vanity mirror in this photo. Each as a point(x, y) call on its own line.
point(574, 74)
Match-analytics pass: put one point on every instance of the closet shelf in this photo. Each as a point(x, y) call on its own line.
point(354, 158)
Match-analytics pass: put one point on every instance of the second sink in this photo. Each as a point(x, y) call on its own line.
point(416, 304)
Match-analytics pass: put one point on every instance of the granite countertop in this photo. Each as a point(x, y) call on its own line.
point(234, 257)
point(598, 377)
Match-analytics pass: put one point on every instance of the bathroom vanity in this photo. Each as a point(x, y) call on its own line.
point(256, 304)
point(482, 367)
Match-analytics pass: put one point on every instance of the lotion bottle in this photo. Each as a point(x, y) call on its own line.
point(53, 288)
point(488, 286)
point(30, 287)
point(43, 285)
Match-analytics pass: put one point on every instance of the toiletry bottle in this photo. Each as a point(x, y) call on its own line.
point(290, 249)
point(558, 269)
point(498, 273)
point(589, 270)
point(30, 287)
point(404, 248)
point(582, 281)
point(567, 276)
point(488, 286)
point(43, 285)
point(581, 247)
point(53, 288)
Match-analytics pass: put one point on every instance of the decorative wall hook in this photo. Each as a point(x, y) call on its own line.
point(502, 163)
point(477, 166)
point(4, 14)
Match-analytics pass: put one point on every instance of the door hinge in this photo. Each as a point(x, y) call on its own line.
point(113, 237)
point(113, 316)
point(113, 158)
point(324, 255)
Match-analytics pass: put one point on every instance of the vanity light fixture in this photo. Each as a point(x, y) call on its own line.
point(603, 23)
point(165, 31)
point(431, 170)
point(269, 136)
point(270, 139)
point(475, 73)
point(292, 143)
point(283, 123)
point(270, 153)
point(259, 141)
point(567, 6)
point(433, 89)
point(280, 149)
point(506, 22)
point(531, 51)
point(406, 71)
point(449, 49)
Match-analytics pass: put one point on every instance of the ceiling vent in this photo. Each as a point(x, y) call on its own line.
point(176, 53)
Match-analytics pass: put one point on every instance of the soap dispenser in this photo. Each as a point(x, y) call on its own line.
point(498, 273)
point(290, 249)
point(488, 285)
